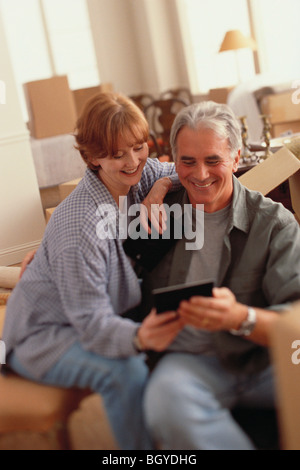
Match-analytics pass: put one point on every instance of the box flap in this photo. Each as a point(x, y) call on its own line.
point(279, 167)
point(294, 182)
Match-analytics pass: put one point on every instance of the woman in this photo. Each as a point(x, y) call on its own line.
point(64, 323)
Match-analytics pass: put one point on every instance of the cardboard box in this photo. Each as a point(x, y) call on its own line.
point(51, 107)
point(82, 95)
point(285, 355)
point(48, 212)
point(2, 317)
point(219, 95)
point(280, 106)
point(66, 188)
point(284, 114)
point(273, 171)
point(279, 129)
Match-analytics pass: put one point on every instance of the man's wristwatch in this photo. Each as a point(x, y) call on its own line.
point(247, 326)
point(136, 343)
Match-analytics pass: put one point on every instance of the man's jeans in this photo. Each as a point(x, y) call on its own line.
point(120, 382)
point(188, 401)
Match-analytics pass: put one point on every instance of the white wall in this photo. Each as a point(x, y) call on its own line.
point(165, 39)
point(138, 44)
point(21, 214)
point(115, 44)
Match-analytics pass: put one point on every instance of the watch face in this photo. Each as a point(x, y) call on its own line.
point(247, 329)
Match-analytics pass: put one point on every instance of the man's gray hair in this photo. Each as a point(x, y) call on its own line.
point(208, 115)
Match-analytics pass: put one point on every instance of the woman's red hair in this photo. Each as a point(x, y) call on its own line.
point(106, 117)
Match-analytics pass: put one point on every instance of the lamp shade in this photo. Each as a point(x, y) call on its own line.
point(235, 39)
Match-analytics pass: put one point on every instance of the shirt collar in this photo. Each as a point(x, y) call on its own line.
point(239, 217)
point(97, 190)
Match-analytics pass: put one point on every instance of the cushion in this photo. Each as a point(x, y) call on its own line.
point(27, 405)
point(9, 276)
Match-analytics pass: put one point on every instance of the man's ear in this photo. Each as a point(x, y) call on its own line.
point(236, 161)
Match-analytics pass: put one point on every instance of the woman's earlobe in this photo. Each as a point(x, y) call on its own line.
point(96, 163)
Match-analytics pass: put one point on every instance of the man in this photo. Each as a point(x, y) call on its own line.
point(252, 250)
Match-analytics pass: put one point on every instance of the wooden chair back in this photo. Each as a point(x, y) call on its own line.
point(160, 115)
point(180, 93)
point(142, 100)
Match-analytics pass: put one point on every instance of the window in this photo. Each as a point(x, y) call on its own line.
point(206, 24)
point(277, 33)
point(71, 41)
point(50, 37)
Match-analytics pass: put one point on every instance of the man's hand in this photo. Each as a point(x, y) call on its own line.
point(220, 312)
point(158, 331)
point(152, 207)
point(223, 312)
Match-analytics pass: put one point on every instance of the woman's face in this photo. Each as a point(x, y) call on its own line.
point(124, 169)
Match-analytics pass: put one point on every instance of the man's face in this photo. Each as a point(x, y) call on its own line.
point(205, 166)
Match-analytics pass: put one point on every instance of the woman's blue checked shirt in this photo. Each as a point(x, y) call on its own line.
point(78, 285)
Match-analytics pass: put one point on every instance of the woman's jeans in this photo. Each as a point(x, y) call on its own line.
point(120, 382)
point(188, 401)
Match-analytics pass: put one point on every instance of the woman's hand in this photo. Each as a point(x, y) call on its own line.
point(28, 258)
point(152, 207)
point(158, 331)
point(220, 312)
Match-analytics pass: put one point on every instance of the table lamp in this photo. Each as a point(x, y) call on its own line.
point(234, 40)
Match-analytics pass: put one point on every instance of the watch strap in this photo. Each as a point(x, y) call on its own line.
point(136, 343)
point(248, 325)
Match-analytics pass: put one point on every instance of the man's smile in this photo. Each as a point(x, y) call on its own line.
point(202, 185)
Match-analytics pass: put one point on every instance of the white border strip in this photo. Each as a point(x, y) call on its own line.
point(15, 254)
point(15, 138)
